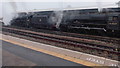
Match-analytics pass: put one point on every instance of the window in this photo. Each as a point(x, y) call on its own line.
point(115, 18)
point(110, 18)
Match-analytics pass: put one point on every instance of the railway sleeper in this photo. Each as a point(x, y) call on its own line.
point(71, 47)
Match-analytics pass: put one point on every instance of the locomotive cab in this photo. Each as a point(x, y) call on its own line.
point(113, 23)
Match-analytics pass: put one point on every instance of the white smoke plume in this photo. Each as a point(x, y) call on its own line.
point(60, 16)
point(57, 15)
point(9, 12)
point(99, 3)
point(23, 7)
point(14, 6)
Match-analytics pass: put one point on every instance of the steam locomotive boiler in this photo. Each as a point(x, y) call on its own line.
point(106, 22)
point(39, 20)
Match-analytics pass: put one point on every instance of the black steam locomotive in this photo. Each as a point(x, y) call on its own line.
point(108, 20)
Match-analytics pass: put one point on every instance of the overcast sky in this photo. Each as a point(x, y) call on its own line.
point(46, 4)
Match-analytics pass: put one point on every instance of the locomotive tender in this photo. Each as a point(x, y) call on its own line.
point(108, 20)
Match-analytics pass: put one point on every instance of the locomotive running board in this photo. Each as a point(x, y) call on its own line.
point(89, 28)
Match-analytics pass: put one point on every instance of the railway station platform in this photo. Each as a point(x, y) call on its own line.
point(16, 55)
point(38, 54)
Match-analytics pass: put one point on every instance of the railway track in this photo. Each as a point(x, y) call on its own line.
point(78, 40)
point(68, 42)
point(85, 36)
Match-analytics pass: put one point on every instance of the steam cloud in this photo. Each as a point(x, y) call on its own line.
point(9, 14)
point(10, 11)
point(57, 18)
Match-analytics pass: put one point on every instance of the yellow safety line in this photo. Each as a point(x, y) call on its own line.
point(83, 62)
